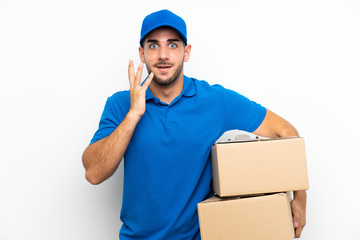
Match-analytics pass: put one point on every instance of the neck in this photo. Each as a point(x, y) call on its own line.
point(167, 93)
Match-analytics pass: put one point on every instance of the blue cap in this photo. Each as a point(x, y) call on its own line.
point(163, 18)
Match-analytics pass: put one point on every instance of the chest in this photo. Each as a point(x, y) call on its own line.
point(190, 121)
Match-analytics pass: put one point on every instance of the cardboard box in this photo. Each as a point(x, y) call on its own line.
point(259, 166)
point(251, 218)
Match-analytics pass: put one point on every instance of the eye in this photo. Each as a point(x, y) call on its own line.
point(172, 45)
point(153, 45)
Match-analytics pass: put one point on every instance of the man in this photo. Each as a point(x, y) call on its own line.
point(164, 129)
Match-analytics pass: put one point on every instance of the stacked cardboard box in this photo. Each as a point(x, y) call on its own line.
point(252, 180)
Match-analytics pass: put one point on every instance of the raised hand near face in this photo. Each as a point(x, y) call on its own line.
point(138, 92)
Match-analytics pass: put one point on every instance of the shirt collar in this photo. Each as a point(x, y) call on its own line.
point(189, 89)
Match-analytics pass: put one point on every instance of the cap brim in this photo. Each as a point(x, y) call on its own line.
point(163, 25)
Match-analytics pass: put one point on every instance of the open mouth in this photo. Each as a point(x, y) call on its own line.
point(163, 67)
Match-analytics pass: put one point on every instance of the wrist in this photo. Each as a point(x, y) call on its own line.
point(301, 195)
point(134, 115)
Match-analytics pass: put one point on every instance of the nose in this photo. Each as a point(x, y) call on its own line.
point(163, 53)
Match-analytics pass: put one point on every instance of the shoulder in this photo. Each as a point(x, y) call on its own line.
point(119, 98)
point(118, 103)
point(203, 87)
point(218, 93)
point(121, 95)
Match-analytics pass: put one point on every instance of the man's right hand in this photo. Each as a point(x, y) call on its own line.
point(138, 92)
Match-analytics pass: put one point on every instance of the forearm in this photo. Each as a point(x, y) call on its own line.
point(102, 158)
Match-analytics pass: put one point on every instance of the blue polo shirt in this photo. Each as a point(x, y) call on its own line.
point(167, 168)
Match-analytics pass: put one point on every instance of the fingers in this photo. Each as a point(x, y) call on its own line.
point(298, 212)
point(148, 80)
point(298, 231)
point(135, 80)
point(131, 74)
point(139, 74)
point(298, 225)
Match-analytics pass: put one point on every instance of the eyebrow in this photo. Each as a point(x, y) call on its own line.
point(169, 40)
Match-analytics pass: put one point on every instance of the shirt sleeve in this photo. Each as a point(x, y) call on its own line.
point(113, 114)
point(241, 113)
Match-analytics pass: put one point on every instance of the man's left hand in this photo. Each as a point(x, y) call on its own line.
point(298, 208)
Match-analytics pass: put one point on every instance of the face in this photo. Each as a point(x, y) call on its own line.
point(164, 54)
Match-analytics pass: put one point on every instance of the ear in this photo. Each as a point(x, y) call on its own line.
point(142, 54)
point(187, 53)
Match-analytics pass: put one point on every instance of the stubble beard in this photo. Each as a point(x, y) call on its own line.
point(168, 81)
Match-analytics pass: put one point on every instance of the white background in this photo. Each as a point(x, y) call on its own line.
point(60, 60)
